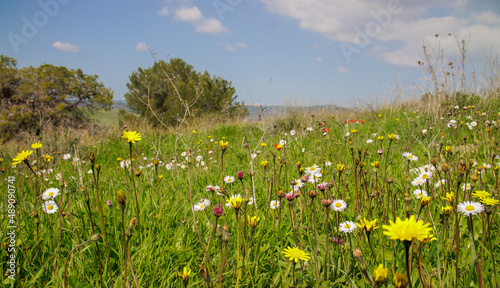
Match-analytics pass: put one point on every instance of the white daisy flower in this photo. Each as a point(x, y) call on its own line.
point(417, 181)
point(424, 131)
point(315, 178)
point(369, 141)
point(144, 158)
point(274, 204)
point(183, 154)
point(250, 201)
point(124, 164)
point(183, 166)
point(253, 156)
point(487, 166)
point(202, 163)
point(470, 208)
point(328, 163)
point(67, 156)
point(347, 227)
point(338, 205)
point(473, 123)
point(374, 135)
point(292, 132)
point(313, 170)
point(50, 193)
point(466, 186)
point(49, 207)
point(202, 205)
point(347, 134)
point(397, 137)
point(419, 192)
point(303, 150)
point(90, 171)
point(309, 129)
point(199, 158)
point(440, 183)
point(229, 179)
point(425, 175)
point(410, 156)
point(283, 142)
point(168, 166)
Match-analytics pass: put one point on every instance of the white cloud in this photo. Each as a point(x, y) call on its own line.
point(319, 59)
point(317, 47)
point(164, 11)
point(341, 69)
point(201, 24)
point(67, 47)
point(141, 46)
point(230, 47)
point(396, 28)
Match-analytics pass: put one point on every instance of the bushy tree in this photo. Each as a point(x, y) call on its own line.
point(34, 97)
point(168, 89)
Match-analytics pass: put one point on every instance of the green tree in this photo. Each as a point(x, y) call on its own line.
point(167, 89)
point(34, 97)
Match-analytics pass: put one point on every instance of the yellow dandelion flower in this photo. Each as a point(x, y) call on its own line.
point(264, 163)
point(424, 200)
point(380, 274)
point(185, 275)
point(407, 230)
point(131, 136)
point(368, 225)
point(340, 167)
point(47, 158)
point(223, 145)
point(263, 144)
point(427, 239)
point(253, 221)
point(399, 280)
point(36, 145)
point(392, 136)
point(23, 156)
point(447, 210)
point(376, 164)
point(481, 194)
point(450, 197)
point(295, 254)
point(380, 138)
point(235, 201)
point(489, 201)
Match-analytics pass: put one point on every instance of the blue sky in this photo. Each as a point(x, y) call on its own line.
point(294, 52)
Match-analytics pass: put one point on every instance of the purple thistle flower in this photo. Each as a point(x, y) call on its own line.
point(218, 211)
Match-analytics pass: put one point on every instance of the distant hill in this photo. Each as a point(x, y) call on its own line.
point(254, 110)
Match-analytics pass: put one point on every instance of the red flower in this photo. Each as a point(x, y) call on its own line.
point(278, 146)
point(354, 121)
point(346, 121)
point(326, 130)
point(362, 121)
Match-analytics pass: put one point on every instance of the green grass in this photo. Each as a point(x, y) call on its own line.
point(169, 240)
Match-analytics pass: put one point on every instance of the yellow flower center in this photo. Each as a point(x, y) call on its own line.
point(338, 204)
point(51, 193)
point(274, 204)
point(50, 207)
point(312, 169)
point(347, 226)
point(425, 176)
point(202, 206)
point(469, 208)
point(410, 156)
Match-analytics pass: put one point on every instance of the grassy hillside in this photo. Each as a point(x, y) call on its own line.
point(358, 169)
